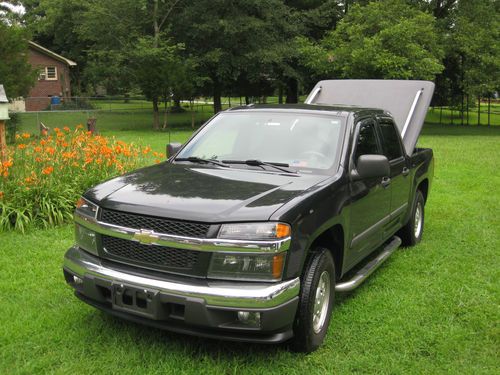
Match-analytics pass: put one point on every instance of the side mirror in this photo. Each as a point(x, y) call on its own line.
point(371, 166)
point(172, 149)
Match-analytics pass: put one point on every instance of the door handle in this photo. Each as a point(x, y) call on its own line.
point(386, 181)
point(405, 172)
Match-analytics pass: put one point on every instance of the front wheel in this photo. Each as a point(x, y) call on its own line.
point(411, 233)
point(316, 302)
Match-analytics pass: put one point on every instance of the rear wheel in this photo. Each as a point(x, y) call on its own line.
point(411, 233)
point(316, 302)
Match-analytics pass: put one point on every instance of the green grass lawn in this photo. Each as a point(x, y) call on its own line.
point(431, 309)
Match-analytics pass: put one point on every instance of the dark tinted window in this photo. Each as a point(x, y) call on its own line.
point(390, 139)
point(367, 141)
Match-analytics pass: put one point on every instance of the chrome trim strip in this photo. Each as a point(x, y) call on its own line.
point(379, 223)
point(215, 293)
point(370, 230)
point(189, 243)
point(399, 210)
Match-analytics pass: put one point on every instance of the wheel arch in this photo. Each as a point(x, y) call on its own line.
point(423, 186)
point(333, 240)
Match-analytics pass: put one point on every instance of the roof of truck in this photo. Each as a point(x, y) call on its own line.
point(338, 109)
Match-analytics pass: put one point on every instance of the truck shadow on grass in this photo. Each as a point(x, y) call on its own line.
point(169, 342)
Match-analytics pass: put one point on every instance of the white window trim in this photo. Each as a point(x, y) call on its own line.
point(42, 74)
point(47, 73)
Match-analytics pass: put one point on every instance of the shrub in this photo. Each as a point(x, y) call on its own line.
point(42, 178)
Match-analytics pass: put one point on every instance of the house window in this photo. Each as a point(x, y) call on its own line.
point(51, 73)
point(48, 73)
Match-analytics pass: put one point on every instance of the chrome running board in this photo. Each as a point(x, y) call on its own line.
point(368, 269)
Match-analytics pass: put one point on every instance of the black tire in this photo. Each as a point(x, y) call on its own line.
point(308, 332)
point(411, 233)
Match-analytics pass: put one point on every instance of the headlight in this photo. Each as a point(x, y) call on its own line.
point(86, 208)
point(254, 231)
point(86, 239)
point(249, 267)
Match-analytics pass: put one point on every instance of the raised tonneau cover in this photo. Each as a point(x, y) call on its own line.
point(407, 101)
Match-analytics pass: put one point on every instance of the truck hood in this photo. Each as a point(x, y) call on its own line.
point(201, 193)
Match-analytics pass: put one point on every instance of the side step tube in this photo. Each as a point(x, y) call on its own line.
point(368, 269)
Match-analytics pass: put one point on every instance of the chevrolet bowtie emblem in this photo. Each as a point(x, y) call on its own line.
point(146, 237)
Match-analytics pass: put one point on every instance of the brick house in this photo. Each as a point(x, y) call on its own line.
point(53, 78)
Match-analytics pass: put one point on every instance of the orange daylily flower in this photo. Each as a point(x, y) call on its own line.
point(48, 170)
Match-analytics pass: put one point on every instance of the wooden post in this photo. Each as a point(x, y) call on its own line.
point(3, 142)
point(91, 127)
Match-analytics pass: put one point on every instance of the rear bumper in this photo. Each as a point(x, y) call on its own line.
point(204, 308)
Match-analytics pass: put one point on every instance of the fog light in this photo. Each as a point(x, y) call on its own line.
point(77, 280)
point(249, 317)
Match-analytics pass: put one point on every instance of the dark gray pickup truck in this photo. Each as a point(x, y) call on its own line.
point(249, 229)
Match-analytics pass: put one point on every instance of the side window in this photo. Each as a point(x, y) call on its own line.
point(367, 140)
point(390, 139)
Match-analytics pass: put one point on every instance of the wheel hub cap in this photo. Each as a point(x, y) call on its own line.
point(321, 302)
point(417, 226)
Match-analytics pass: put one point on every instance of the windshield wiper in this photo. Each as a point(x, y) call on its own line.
point(195, 159)
point(258, 163)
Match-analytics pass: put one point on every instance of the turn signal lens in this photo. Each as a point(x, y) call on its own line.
point(278, 265)
point(282, 230)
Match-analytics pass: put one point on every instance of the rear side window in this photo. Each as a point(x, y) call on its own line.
point(367, 140)
point(390, 140)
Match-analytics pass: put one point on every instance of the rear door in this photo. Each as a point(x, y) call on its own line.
point(370, 198)
point(400, 173)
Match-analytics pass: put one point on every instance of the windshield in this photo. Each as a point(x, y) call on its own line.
point(301, 141)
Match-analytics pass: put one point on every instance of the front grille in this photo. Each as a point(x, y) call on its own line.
point(159, 225)
point(150, 255)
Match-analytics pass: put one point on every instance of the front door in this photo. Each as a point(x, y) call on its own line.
point(370, 198)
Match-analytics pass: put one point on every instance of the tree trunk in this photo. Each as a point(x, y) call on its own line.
point(165, 115)
point(156, 27)
point(489, 109)
point(177, 104)
point(462, 109)
point(478, 110)
point(156, 114)
point(247, 100)
point(217, 98)
point(292, 94)
point(191, 104)
point(280, 94)
point(467, 109)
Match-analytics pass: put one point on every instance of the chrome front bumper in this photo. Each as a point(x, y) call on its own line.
point(214, 293)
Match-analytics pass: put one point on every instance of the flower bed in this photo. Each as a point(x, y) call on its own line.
point(42, 178)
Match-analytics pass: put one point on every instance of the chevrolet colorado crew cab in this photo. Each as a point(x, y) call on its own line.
point(251, 227)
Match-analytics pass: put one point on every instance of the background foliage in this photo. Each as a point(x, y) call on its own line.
point(256, 48)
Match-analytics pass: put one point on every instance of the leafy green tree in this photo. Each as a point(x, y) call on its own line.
point(232, 41)
point(16, 74)
point(475, 40)
point(384, 39)
point(119, 32)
